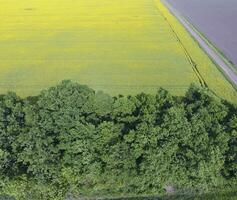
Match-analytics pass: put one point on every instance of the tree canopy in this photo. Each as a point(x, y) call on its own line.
point(71, 140)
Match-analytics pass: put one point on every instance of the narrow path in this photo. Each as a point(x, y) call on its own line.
point(225, 68)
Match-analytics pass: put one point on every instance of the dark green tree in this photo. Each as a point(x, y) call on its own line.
point(11, 127)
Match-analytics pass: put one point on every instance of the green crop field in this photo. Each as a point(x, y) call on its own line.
point(119, 46)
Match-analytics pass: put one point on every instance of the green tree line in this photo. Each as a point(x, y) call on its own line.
point(71, 140)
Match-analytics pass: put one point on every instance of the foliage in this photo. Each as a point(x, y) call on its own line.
point(71, 140)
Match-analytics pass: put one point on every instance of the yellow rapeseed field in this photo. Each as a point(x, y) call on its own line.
point(119, 46)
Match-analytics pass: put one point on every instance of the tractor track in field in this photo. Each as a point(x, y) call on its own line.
point(187, 54)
